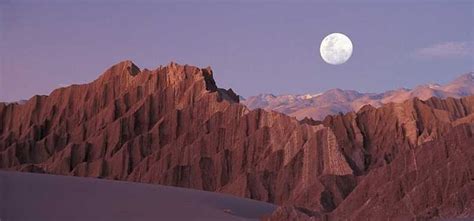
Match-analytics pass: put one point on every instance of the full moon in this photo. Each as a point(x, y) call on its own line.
point(336, 48)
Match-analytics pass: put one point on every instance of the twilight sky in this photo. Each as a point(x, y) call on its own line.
point(268, 46)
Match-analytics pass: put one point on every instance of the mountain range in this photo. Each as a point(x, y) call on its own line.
point(174, 126)
point(335, 101)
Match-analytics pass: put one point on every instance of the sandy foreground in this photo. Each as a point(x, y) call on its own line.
point(28, 196)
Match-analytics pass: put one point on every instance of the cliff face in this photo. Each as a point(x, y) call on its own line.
point(373, 137)
point(174, 126)
point(430, 181)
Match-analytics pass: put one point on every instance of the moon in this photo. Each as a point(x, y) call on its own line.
point(336, 48)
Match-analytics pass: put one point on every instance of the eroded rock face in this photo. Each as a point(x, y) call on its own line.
point(373, 137)
point(433, 180)
point(174, 126)
point(170, 126)
point(284, 213)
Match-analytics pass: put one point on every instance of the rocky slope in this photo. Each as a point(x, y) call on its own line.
point(174, 126)
point(334, 101)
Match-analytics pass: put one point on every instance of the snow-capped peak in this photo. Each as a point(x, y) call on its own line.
point(308, 96)
point(434, 86)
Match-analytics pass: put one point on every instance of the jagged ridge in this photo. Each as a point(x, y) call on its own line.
point(174, 126)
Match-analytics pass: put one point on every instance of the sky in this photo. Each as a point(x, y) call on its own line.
point(252, 46)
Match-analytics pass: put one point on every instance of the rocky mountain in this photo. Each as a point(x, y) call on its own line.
point(334, 101)
point(174, 126)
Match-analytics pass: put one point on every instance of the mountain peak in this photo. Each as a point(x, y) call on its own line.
point(465, 78)
point(308, 96)
point(122, 69)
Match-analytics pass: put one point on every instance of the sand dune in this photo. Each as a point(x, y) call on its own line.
point(27, 196)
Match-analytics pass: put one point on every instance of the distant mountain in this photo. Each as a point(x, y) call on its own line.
point(334, 101)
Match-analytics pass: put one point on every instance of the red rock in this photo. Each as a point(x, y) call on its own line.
point(285, 213)
point(174, 126)
point(429, 181)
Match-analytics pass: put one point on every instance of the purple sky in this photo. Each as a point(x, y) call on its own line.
point(253, 48)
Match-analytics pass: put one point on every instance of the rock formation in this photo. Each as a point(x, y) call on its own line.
point(174, 126)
